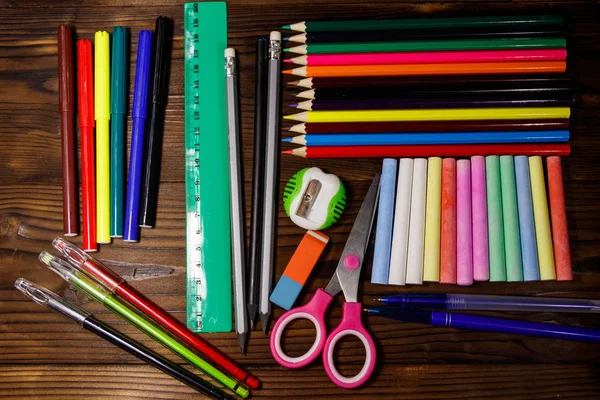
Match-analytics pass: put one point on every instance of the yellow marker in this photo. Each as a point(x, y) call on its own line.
point(102, 113)
point(433, 210)
point(456, 114)
point(541, 219)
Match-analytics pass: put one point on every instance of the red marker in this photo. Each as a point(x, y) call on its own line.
point(85, 91)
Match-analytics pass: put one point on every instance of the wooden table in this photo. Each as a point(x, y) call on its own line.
point(43, 355)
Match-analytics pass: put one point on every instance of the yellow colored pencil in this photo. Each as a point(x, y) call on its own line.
point(455, 114)
point(102, 114)
point(541, 219)
point(433, 210)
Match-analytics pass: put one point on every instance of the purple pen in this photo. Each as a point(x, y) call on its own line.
point(474, 322)
point(140, 105)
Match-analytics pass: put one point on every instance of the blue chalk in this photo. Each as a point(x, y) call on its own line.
point(286, 292)
point(385, 222)
point(529, 254)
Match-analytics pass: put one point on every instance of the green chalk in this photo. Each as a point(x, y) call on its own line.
point(510, 217)
point(495, 227)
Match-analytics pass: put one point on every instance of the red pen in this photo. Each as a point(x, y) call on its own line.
point(115, 284)
point(85, 90)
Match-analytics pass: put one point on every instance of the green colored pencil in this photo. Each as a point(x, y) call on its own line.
point(495, 227)
point(423, 23)
point(429, 45)
point(510, 218)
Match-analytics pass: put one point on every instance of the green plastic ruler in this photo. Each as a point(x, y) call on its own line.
point(208, 248)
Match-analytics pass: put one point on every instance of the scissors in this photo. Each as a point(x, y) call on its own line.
point(345, 279)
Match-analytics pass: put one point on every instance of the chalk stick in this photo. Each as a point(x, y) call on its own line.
point(481, 263)
point(531, 268)
point(416, 235)
point(558, 213)
point(464, 226)
point(541, 219)
point(433, 208)
point(495, 224)
point(510, 218)
point(448, 228)
point(385, 218)
point(399, 255)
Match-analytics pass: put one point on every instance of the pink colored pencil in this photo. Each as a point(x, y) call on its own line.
point(464, 226)
point(481, 265)
point(558, 212)
point(430, 57)
point(448, 234)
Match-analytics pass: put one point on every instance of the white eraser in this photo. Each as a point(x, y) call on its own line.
point(229, 52)
point(275, 35)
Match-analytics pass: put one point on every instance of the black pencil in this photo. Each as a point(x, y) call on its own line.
point(158, 104)
point(260, 118)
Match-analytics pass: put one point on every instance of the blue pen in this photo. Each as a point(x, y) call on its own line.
point(389, 139)
point(490, 303)
point(140, 104)
point(383, 229)
point(474, 322)
point(529, 253)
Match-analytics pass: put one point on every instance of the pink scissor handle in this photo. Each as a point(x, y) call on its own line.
point(313, 311)
point(351, 325)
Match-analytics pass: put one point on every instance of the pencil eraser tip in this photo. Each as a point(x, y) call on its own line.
point(229, 52)
point(275, 35)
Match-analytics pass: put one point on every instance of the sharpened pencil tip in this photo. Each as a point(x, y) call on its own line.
point(242, 339)
point(287, 140)
point(293, 83)
point(264, 322)
point(288, 60)
point(293, 105)
point(288, 27)
point(252, 310)
point(290, 152)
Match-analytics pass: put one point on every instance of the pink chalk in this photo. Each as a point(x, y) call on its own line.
point(464, 227)
point(481, 262)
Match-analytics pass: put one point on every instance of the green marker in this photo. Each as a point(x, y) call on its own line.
point(96, 292)
point(118, 107)
point(510, 215)
point(495, 227)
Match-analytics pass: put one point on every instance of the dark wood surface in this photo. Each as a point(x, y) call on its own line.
point(43, 355)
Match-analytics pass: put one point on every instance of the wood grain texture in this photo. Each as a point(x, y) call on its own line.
point(43, 355)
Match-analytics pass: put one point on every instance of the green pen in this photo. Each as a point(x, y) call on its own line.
point(118, 106)
point(96, 292)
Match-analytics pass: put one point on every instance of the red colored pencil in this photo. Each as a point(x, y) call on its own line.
point(448, 233)
point(558, 212)
point(85, 89)
point(460, 150)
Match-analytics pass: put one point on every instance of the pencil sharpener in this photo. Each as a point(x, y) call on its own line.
point(313, 199)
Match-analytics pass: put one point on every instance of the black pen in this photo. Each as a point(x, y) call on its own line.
point(158, 104)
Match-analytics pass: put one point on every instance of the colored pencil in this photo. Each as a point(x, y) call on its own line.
point(464, 225)
point(541, 219)
point(431, 126)
point(495, 227)
point(457, 114)
point(510, 219)
point(433, 209)
point(433, 82)
point(399, 255)
point(66, 110)
point(518, 67)
point(427, 34)
point(448, 232)
point(541, 100)
point(389, 139)
point(423, 23)
point(430, 57)
point(428, 45)
point(416, 229)
point(481, 265)
point(85, 94)
point(560, 232)
point(446, 150)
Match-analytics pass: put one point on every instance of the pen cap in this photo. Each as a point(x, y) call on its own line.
point(142, 75)
point(66, 87)
point(118, 83)
point(162, 59)
point(85, 83)
point(102, 75)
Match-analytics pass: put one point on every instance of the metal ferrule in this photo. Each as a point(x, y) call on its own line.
point(230, 69)
point(274, 49)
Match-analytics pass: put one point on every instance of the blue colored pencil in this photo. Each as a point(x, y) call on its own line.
point(385, 139)
point(529, 255)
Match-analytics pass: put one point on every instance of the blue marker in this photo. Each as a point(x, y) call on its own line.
point(140, 104)
point(385, 219)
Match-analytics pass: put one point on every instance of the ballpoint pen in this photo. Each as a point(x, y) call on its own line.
point(95, 291)
point(50, 299)
point(117, 285)
point(236, 185)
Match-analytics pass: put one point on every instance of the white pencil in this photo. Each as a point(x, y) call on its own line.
point(416, 234)
point(401, 223)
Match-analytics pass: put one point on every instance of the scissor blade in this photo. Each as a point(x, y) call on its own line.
point(347, 273)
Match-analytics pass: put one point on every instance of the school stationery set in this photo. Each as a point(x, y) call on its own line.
point(472, 107)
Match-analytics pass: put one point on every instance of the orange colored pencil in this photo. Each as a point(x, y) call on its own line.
point(527, 67)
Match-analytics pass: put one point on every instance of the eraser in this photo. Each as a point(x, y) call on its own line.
point(285, 293)
point(229, 52)
point(275, 35)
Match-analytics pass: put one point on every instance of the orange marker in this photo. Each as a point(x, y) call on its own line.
point(448, 235)
point(298, 269)
point(525, 67)
point(558, 213)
